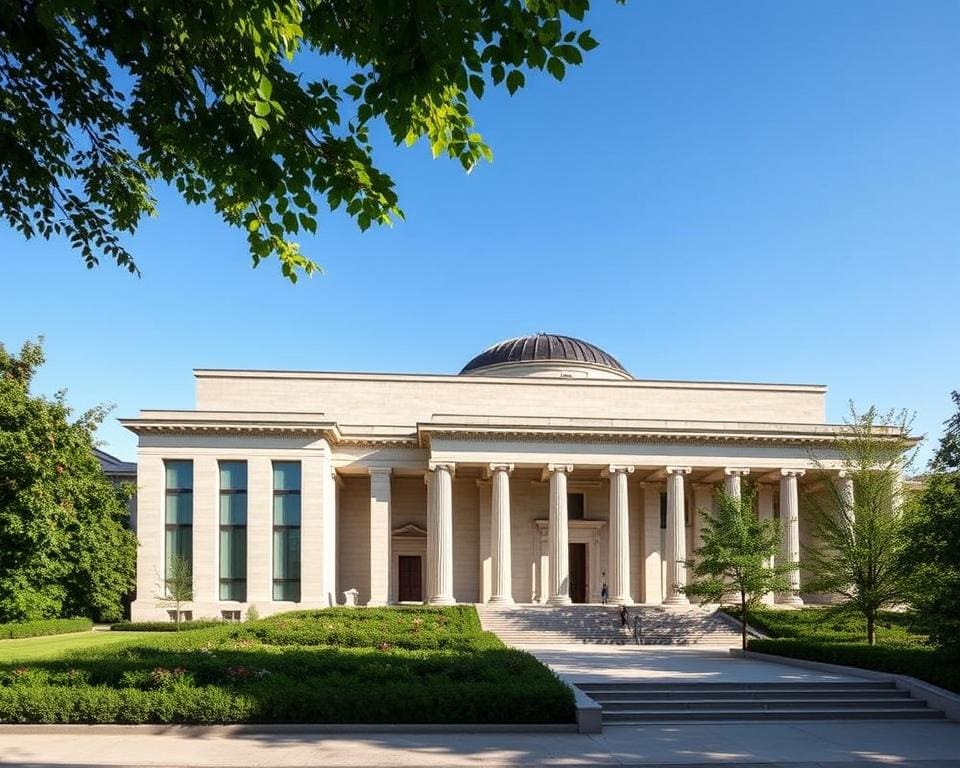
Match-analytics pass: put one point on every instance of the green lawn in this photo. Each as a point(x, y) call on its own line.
point(29, 648)
point(826, 625)
point(365, 665)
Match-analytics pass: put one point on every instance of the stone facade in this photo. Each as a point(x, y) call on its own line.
point(528, 481)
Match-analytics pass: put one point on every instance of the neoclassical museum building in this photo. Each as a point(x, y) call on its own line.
point(537, 474)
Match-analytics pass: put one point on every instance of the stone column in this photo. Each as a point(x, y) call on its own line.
point(380, 532)
point(440, 536)
point(765, 514)
point(430, 569)
point(732, 483)
point(501, 587)
point(652, 550)
point(619, 583)
point(557, 536)
point(846, 496)
point(790, 519)
point(676, 553)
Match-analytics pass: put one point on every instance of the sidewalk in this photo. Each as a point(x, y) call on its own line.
point(809, 743)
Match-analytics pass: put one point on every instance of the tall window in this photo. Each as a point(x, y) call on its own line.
point(233, 530)
point(179, 512)
point(286, 530)
point(663, 510)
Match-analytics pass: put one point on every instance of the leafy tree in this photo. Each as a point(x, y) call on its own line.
point(737, 556)
point(933, 552)
point(65, 546)
point(177, 589)
point(224, 101)
point(860, 540)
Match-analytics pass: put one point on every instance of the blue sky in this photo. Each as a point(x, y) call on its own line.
point(737, 191)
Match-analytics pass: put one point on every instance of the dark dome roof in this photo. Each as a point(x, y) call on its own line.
point(544, 347)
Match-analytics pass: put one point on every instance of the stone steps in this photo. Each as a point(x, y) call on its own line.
point(553, 625)
point(634, 703)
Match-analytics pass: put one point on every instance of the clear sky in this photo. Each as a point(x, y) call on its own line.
point(731, 191)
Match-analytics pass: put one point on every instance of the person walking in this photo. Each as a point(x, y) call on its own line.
point(603, 593)
point(624, 616)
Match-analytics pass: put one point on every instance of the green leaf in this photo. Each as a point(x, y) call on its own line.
point(586, 41)
point(515, 80)
point(265, 89)
point(497, 73)
point(556, 68)
point(262, 108)
point(477, 85)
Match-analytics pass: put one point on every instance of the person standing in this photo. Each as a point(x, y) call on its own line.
point(604, 592)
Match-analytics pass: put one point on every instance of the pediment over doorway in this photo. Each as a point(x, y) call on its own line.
point(574, 525)
point(410, 531)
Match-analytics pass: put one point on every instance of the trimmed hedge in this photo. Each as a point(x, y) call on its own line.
point(925, 663)
point(394, 665)
point(44, 627)
point(828, 625)
point(163, 626)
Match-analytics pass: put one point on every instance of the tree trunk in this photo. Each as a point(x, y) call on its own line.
point(743, 620)
point(871, 629)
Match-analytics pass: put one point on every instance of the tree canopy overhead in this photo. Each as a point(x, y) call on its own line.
point(99, 100)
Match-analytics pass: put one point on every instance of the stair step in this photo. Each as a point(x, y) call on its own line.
point(628, 717)
point(605, 697)
point(826, 685)
point(733, 705)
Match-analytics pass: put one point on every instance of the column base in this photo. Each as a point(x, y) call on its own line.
point(676, 600)
point(793, 600)
point(441, 600)
point(559, 600)
point(500, 600)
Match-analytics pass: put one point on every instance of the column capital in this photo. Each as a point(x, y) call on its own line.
point(846, 474)
point(494, 467)
point(449, 466)
point(678, 470)
point(616, 468)
point(736, 471)
point(379, 470)
point(552, 469)
point(792, 472)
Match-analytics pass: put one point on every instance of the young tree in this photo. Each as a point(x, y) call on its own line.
point(737, 556)
point(861, 518)
point(261, 109)
point(177, 589)
point(933, 553)
point(65, 545)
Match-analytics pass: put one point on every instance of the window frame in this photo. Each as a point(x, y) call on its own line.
point(232, 527)
point(284, 527)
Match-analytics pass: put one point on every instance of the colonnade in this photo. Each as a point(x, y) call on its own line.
point(439, 553)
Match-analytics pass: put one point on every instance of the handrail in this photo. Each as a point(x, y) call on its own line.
point(637, 629)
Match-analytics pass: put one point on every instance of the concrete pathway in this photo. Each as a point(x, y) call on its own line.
point(927, 744)
point(667, 664)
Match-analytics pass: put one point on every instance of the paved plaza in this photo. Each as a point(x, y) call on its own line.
point(847, 743)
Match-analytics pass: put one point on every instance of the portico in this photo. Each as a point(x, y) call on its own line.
point(541, 472)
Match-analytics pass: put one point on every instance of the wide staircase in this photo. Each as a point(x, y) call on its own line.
point(638, 703)
point(572, 624)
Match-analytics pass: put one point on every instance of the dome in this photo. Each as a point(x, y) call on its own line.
point(546, 354)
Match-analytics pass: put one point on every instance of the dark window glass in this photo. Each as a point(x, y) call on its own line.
point(575, 506)
point(233, 530)
point(286, 530)
point(178, 512)
point(663, 510)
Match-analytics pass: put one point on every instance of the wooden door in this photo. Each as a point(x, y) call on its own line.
point(409, 582)
point(578, 572)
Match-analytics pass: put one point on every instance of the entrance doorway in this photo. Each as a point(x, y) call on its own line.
point(577, 560)
point(409, 582)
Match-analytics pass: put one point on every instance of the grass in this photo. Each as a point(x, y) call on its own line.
point(399, 665)
point(52, 646)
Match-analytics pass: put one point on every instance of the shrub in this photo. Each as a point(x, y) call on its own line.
point(930, 664)
point(163, 626)
point(44, 627)
point(420, 665)
point(832, 626)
